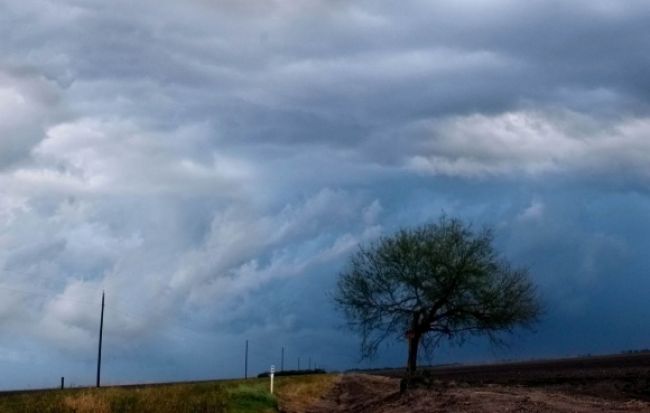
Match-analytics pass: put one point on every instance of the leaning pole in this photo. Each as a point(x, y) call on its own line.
point(99, 351)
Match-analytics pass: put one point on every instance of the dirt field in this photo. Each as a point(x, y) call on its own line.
point(616, 377)
point(363, 393)
point(619, 383)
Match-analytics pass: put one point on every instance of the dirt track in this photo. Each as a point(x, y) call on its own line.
point(358, 393)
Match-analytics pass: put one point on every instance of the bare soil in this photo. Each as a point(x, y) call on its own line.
point(618, 383)
point(618, 377)
point(357, 393)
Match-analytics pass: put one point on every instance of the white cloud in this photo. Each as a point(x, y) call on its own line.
point(152, 267)
point(534, 212)
point(371, 213)
point(28, 103)
point(118, 156)
point(289, 240)
point(183, 156)
point(534, 144)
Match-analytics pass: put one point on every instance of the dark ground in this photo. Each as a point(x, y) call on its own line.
point(619, 383)
point(616, 377)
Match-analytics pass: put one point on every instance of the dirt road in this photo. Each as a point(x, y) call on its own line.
point(356, 393)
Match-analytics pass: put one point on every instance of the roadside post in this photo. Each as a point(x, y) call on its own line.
point(271, 376)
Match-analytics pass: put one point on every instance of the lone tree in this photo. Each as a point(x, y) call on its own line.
point(434, 282)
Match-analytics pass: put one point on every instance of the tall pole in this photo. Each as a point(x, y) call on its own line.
point(99, 352)
point(309, 364)
point(298, 363)
point(282, 360)
point(246, 361)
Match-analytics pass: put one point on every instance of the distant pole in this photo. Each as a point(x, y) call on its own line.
point(99, 352)
point(309, 364)
point(298, 363)
point(62, 382)
point(246, 361)
point(271, 376)
point(282, 360)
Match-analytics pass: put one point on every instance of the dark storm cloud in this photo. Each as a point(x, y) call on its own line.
point(200, 160)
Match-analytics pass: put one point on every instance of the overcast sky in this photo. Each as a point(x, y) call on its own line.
point(211, 164)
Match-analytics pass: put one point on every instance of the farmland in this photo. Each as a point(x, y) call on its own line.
point(618, 377)
point(618, 383)
point(237, 396)
point(586, 384)
point(360, 393)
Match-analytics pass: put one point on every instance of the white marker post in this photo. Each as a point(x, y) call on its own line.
point(271, 375)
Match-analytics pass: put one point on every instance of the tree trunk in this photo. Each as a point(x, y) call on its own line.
point(414, 343)
point(411, 365)
point(413, 335)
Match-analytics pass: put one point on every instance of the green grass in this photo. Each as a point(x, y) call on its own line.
point(214, 397)
point(237, 396)
point(251, 397)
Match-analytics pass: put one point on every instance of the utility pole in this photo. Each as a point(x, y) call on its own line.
point(271, 376)
point(246, 362)
point(282, 360)
point(99, 352)
point(309, 364)
point(298, 363)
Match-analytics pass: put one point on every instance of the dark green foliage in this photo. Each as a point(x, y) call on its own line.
point(438, 281)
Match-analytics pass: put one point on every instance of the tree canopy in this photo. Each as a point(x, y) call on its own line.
point(438, 281)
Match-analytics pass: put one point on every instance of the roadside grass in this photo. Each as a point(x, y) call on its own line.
point(296, 394)
point(251, 396)
point(236, 396)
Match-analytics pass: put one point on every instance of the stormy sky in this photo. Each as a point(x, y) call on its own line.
point(211, 164)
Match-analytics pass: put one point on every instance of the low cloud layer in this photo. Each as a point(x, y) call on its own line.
point(211, 164)
point(535, 144)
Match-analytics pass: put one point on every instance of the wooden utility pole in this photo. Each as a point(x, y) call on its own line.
point(282, 360)
point(99, 352)
point(246, 361)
